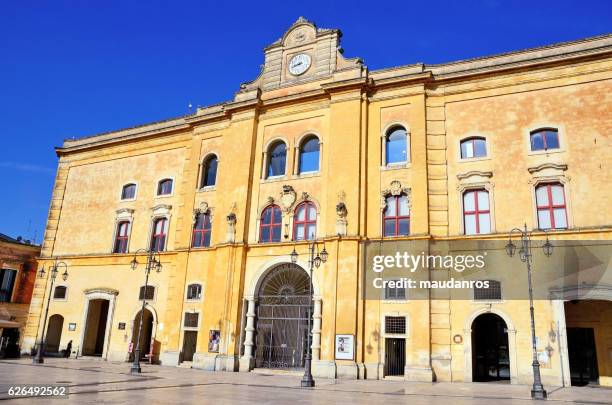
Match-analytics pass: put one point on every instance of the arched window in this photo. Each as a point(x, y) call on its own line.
point(309, 155)
point(270, 225)
point(552, 210)
point(121, 237)
point(194, 291)
point(473, 148)
point(277, 159)
point(305, 221)
point(201, 230)
point(209, 171)
point(544, 139)
point(128, 192)
point(396, 216)
point(146, 294)
point(59, 292)
point(164, 187)
point(158, 238)
point(476, 212)
point(396, 145)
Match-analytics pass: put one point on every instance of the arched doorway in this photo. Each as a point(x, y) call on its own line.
point(145, 334)
point(283, 309)
point(490, 351)
point(54, 333)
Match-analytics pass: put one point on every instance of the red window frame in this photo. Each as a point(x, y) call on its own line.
point(158, 239)
point(550, 207)
point(271, 225)
point(396, 217)
point(542, 133)
point(203, 231)
point(121, 239)
point(477, 211)
point(307, 220)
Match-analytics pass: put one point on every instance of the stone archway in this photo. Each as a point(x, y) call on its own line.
point(54, 333)
point(284, 311)
point(468, 348)
point(490, 353)
point(146, 334)
point(247, 361)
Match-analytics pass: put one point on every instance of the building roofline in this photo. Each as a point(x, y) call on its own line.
point(487, 63)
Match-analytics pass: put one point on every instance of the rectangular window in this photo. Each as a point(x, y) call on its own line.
point(158, 239)
point(395, 324)
point(148, 295)
point(201, 231)
point(396, 293)
point(544, 139)
point(191, 320)
point(476, 212)
point(493, 292)
point(194, 292)
point(7, 282)
point(121, 238)
point(59, 293)
point(552, 210)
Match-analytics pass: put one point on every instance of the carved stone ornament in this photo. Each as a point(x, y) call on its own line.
point(395, 189)
point(230, 234)
point(269, 200)
point(203, 207)
point(304, 196)
point(341, 210)
point(287, 197)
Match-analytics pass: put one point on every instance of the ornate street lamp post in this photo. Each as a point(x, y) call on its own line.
point(314, 260)
point(40, 353)
point(153, 262)
point(537, 391)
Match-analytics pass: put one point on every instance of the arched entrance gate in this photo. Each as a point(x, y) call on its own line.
point(282, 312)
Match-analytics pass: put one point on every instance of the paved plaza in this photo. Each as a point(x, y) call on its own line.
point(100, 382)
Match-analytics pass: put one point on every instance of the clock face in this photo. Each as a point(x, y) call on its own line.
point(299, 64)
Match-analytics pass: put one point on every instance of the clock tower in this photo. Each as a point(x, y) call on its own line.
point(303, 54)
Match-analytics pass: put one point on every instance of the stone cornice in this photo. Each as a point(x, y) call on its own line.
point(544, 166)
point(472, 173)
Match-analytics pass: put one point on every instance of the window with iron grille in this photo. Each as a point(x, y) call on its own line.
point(395, 293)
point(488, 294)
point(59, 293)
point(150, 293)
point(191, 320)
point(395, 324)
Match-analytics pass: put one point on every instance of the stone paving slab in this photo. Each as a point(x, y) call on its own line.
point(95, 382)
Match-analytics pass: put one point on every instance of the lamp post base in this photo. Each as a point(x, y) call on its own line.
point(135, 369)
point(38, 360)
point(538, 393)
point(307, 383)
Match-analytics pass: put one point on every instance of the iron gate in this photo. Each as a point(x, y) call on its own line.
point(395, 356)
point(283, 309)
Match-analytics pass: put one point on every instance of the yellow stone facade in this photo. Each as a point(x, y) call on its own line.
point(349, 108)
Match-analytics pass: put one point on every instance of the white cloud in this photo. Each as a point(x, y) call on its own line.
point(27, 167)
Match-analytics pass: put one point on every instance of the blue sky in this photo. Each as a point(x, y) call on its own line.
point(75, 68)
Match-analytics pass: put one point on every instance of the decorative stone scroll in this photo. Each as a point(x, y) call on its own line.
point(395, 189)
